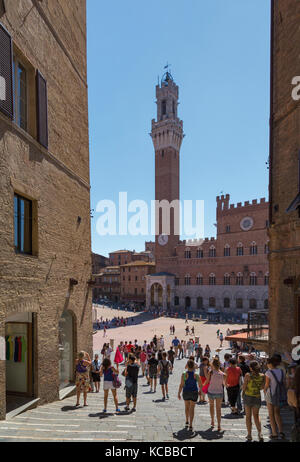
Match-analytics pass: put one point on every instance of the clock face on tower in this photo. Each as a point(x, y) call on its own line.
point(246, 223)
point(163, 239)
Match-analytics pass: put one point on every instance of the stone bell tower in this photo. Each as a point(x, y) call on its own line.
point(167, 135)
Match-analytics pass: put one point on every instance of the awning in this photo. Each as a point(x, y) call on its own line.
point(240, 337)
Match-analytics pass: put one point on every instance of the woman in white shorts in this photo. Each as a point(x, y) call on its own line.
point(108, 371)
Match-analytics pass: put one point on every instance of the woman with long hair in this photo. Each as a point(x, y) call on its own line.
point(108, 371)
point(253, 384)
point(274, 375)
point(215, 380)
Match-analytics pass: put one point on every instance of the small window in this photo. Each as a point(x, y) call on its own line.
point(239, 303)
point(227, 228)
point(226, 302)
point(252, 304)
point(23, 224)
point(187, 254)
point(163, 108)
point(176, 301)
point(212, 302)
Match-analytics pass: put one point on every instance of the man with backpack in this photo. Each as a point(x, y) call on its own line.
point(164, 367)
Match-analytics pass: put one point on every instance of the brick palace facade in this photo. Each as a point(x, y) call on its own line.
point(228, 273)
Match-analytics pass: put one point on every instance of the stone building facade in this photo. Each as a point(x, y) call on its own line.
point(45, 259)
point(284, 232)
point(228, 273)
point(133, 281)
point(107, 284)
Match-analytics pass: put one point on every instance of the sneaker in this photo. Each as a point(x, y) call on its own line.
point(118, 410)
point(127, 408)
point(163, 398)
point(167, 396)
point(104, 410)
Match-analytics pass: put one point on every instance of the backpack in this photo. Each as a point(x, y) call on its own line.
point(165, 369)
point(280, 396)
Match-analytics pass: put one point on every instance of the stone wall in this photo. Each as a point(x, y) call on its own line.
point(284, 231)
point(52, 36)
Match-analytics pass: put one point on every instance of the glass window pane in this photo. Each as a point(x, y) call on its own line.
point(16, 221)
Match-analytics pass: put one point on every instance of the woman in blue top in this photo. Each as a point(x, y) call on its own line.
point(190, 384)
point(108, 371)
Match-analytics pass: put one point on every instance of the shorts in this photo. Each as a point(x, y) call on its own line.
point(95, 377)
point(108, 385)
point(132, 391)
point(163, 380)
point(190, 396)
point(252, 401)
point(153, 375)
point(215, 395)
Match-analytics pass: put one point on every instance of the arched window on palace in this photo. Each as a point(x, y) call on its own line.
point(226, 279)
point(199, 253)
point(212, 252)
point(187, 253)
point(266, 304)
point(212, 279)
point(199, 280)
point(266, 279)
point(240, 250)
point(252, 304)
point(227, 250)
point(253, 248)
point(239, 279)
point(253, 279)
point(267, 248)
point(187, 280)
point(163, 107)
point(176, 300)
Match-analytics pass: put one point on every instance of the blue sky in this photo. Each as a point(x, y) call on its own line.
point(219, 55)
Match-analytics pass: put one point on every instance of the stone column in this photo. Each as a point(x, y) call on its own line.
point(165, 298)
point(155, 295)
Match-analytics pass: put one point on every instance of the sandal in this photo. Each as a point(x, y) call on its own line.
point(248, 439)
point(282, 435)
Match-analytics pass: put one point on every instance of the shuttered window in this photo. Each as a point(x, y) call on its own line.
point(6, 81)
point(42, 110)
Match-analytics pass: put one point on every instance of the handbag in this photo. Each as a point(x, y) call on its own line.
point(116, 381)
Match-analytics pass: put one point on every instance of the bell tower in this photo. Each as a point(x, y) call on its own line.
point(167, 135)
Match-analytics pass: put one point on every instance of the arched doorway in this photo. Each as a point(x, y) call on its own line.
point(156, 295)
point(66, 348)
point(187, 302)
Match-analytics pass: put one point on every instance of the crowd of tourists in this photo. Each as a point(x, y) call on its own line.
point(237, 381)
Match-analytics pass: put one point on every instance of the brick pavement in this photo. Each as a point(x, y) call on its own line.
point(153, 421)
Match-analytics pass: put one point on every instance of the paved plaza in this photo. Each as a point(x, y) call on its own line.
point(153, 421)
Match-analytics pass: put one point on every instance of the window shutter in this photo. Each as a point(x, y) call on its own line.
point(42, 110)
point(6, 80)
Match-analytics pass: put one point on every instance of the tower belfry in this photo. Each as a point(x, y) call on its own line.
point(167, 135)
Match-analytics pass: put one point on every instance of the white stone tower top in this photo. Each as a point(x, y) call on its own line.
point(167, 130)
